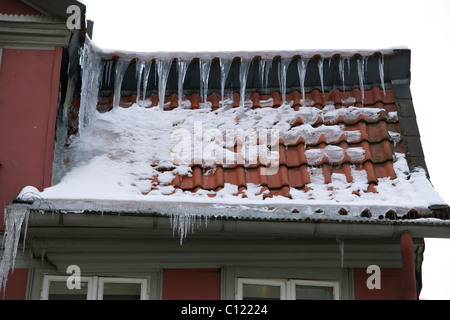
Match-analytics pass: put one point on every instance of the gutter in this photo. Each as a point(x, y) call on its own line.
point(182, 219)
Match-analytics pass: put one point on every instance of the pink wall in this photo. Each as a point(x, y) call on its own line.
point(29, 88)
point(191, 284)
point(392, 285)
point(16, 287)
point(29, 85)
point(16, 7)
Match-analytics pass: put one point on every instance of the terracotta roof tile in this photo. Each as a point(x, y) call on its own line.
point(340, 139)
point(365, 144)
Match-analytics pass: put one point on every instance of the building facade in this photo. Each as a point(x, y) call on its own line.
point(262, 175)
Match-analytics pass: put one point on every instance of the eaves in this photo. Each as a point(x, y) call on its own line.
point(169, 218)
point(34, 35)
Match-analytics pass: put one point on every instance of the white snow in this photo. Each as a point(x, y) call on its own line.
point(134, 153)
point(122, 151)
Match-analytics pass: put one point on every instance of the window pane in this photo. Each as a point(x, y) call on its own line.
point(261, 292)
point(58, 291)
point(313, 293)
point(121, 291)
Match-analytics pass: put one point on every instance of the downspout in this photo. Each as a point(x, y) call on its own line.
point(409, 274)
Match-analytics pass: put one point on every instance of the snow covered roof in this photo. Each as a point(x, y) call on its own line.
point(315, 134)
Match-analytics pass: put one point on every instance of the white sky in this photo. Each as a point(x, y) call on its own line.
point(249, 25)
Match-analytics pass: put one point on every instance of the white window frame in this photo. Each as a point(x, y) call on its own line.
point(287, 286)
point(96, 285)
point(91, 282)
point(141, 281)
point(314, 283)
point(266, 282)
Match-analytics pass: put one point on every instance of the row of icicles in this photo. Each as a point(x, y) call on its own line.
point(163, 67)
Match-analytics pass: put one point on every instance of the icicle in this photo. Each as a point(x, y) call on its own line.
point(183, 224)
point(91, 66)
point(302, 65)
point(205, 67)
point(225, 66)
point(182, 69)
point(282, 72)
point(381, 68)
point(142, 73)
point(342, 72)
point(340, 240)
point(348, 65)
point(320, 67)
point(139, 70)
point(106, 75)
point(262, 64)
point(147, 68)
point(267, 67)
point(360, 65)
point(121, 68)
point(14, 219)
point(243, 73)
point(163, 68)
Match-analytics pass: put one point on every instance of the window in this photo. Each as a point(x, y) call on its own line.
point(286, 289)
point(95, 288)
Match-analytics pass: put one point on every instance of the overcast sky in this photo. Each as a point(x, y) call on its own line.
point(248, 25)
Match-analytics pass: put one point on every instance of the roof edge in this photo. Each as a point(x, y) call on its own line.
point(265, 54)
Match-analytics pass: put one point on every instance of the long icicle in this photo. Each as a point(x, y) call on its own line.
point(302, 65)
point(243, 73)
point(182, 68)
point(381, 69)
point(163, 68)
point(147, 69)
point(360, 64)
point(342, 72)
point(267, 67)
point(91, 69)
point(262, 64)
point(139, 70)
point(205, 67)
point(14, 219)
point(320, 67)
point(225, 66)
point(282, 73)
point(121, 68)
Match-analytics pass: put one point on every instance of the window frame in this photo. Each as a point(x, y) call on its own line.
point(143, 282)
point(288, 286)
point(91, 282)
point(314, 283)
point(268, 282)
point(96, 285)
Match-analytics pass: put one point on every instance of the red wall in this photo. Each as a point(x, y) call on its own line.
point(16, 287)
point(29, 86)
point(391, 288)
point(16, 7)
point(191, 284)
